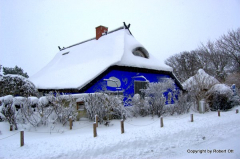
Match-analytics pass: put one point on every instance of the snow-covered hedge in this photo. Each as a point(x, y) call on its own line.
point(49, 109)
point(141, 107)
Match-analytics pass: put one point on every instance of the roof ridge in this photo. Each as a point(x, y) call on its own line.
point(119, 28)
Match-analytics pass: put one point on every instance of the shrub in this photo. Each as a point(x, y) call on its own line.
point(219, 97)
point(234, 100)
point(9, 111)
point(154, 96)
point(50, 109)
point(17, 85)
point(104, 105)
point(154, 102)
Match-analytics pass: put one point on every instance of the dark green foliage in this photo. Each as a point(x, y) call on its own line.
point(16, 70)
point(219, 101)
point(17, 85)
point(221, 97)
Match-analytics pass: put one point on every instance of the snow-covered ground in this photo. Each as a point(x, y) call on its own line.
point(209, 136)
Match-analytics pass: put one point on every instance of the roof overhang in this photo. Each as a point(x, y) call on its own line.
point(84, 88)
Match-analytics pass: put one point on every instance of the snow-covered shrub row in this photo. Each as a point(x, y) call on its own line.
point(141, 107)
point(17, 85)
point(51, 108)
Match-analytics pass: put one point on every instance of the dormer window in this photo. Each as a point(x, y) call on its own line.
point(141, 52)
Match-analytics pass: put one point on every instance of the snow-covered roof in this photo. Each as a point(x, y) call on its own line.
point(200, 78)
point(74, 66)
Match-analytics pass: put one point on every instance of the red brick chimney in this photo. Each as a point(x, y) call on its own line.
point(100, 30)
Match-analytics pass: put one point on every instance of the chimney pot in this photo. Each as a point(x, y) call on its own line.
point(100, 30)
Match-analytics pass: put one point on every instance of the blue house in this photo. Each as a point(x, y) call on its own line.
point(112, 61)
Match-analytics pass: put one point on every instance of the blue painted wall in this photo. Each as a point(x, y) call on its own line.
point(127, 82)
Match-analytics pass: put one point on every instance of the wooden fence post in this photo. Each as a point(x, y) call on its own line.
point(70, 123)
point(219, 113)
point(191, 117)
point(161, 121)
point(94, 130)
point(236, 111)
point(122, 126)
point(21, 138)
point(96, 120)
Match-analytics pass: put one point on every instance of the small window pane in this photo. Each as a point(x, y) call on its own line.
point(138, 86)
point(80, 106)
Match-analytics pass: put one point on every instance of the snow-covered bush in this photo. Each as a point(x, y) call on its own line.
point(6, 100)
point(154, 102)
point(21, 109)
point(49, 109)
point(136, 106)
point(154, 98)
point(95, 105)
point(219, 97)
point(105, 106)
point(234, 100)
point(198, 85)
point(8, 110)
point(44, 110)
point(29, 112)
point(17, 85)
point(52, 108)
point(182, 104)
point(61, 108)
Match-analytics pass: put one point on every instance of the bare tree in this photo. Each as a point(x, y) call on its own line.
point(234, 78)
point(216, 58)
point(230, 44)
point(185, 64)
point(216, 61)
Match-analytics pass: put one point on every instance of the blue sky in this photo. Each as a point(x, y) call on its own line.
point(31, 31)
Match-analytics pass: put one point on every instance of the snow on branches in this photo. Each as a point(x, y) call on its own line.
point(17, 85)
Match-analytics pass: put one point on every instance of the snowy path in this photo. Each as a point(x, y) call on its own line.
point(174, 140)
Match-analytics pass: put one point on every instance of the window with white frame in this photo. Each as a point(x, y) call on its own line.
point(80, 105)
point(138, 86)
